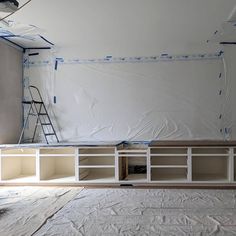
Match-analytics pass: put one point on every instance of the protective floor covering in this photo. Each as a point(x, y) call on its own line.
point(145, 212)
point(23, 210)
point(71, 212)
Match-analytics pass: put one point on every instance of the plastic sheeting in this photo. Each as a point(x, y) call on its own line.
point(134, 101)
point(145, 212)
point(23, 210)
point(23, 35)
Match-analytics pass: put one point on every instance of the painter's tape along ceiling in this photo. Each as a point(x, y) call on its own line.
point(94, 28)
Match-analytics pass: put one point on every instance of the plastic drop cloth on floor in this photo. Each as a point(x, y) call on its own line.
point(23, 210)
point(145, 212)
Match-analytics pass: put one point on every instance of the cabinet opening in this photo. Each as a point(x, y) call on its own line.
point(210, 168)
point(169, 174)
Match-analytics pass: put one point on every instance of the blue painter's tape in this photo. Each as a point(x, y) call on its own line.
point(60, 59)
point(33, 54)
point(56, 65)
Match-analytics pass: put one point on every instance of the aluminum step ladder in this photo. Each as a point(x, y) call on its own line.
point(38, 109)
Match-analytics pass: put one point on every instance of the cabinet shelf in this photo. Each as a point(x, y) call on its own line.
point(169, 166)
point(168, 151)
point(57, 164)
point(169, 174)
point(18, 168)
point(135, 178)
point(210, 168)
point(102, 175)
point(132, 165)
point(97, 166)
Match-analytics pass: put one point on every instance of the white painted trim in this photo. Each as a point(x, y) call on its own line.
point(76, 164)
point(95, 166)
point(37, 164)
point(189, 163)
point(169, 166)
point(231, 165)
point(148, 165)
point(116, 165)
point(0, 165)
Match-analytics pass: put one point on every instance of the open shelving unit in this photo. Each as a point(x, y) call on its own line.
point(193, 163)
point(169, 164)
point(57, 164)
point(96, 164)
point(210, 164)
point(132, 165)
point(18, 165)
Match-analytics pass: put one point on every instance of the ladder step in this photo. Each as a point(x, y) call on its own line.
point(38, 102)
point(27, 102)
point(46, 124)
point(42, 114)
point(32, 114)
point(49, 134)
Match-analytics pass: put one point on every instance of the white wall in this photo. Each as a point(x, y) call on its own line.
point(10, 93)
point(133, 101)
point(230, 61)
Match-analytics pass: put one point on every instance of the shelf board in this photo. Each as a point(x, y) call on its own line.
point(169, 166)
point(57, 155)
point(97, 155)
point(132, 155)
point(209, 178)
point(169, 178)
point(210, 155)
point(96, 166)
point(22, 179)
point(168, 155)
point(60, 178)
point(135, 178)
point(18, 155)
point(98, 178)
point(132, 151)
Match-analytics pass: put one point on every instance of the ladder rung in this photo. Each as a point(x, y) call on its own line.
point(32, 114)
point(42, 114)
point(27, 102)
point(50, 134)
point(46, 124)
point(38, 102)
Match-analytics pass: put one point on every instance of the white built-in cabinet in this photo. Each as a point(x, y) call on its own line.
point(112, 164)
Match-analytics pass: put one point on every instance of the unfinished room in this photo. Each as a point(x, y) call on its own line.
point(117, 117)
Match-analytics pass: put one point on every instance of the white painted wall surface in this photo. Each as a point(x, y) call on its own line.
point(230, 106)
point(133, 101)
point(10, 93)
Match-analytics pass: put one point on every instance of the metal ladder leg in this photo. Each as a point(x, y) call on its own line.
point(25, 123)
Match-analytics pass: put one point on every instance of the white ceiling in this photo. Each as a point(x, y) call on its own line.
point(95, 28)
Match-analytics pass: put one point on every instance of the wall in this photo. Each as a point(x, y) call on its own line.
point(230, 62)
point(10, 93)
point(133, 101)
